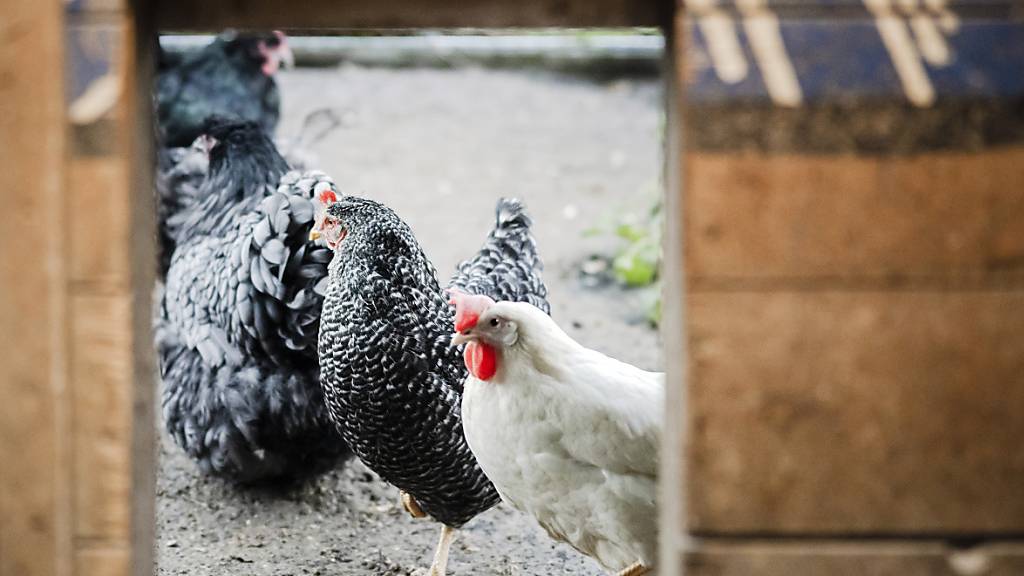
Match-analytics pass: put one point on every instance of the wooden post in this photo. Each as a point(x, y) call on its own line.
point(854, 310)
point(76, 255)
point(34, 474)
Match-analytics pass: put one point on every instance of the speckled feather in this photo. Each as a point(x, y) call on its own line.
point(392, 382)
point(239, 318)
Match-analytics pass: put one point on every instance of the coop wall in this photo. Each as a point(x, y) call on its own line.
point(74, 314)
point(850, 320)
point(853, 323)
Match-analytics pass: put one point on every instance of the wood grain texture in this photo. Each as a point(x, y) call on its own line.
point(336, 14)
point(138, 135)
point(752, 218)
point(101, 380)
point(67, 344)
point(101, 234)
point(91, 561)
point(856, 413)
point(671, 475)
point(101, 6)
point(821, 557)
point(33, 504)
point(104, 328)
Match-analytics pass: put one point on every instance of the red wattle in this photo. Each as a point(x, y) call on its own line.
point(481, 360)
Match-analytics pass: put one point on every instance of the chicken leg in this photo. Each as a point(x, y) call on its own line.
point(440, 564)
point(636, 569)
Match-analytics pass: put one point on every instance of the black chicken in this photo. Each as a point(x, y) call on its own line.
point(181, 172)
point(392, 382)
point(231, 77)
point(238, 320)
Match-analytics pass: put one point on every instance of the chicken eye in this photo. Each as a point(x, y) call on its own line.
point(494, 321)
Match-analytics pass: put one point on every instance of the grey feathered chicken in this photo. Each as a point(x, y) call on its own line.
point(239, 316)
point(180, 174)
point(181, 171)
point(391, 381)
point(233, 76)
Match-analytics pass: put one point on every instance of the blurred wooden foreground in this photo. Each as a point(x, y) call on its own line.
point(844, 325)
point(76, 449)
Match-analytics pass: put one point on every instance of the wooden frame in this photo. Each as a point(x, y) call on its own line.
point(78, 249)
point(77, 446)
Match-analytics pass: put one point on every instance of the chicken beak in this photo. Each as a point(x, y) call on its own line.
point(314, 235)
point(461, 337)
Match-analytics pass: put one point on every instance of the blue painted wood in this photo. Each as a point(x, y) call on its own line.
point(845, 58)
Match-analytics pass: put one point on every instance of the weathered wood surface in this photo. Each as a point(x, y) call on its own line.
point(101, 379)
point(874, 558)
point(99, 254)
point(34, 500)
point(72, 304)
point(834, 412)
point(854, 319)
point(102, 562)
point(109, 299)
point(754, 220)
point(200, 15)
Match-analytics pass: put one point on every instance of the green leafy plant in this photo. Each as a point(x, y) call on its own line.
point(636, 261)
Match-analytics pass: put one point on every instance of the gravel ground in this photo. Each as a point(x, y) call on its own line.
point(440, 146)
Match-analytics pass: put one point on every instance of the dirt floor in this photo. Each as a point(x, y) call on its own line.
point(440, 146)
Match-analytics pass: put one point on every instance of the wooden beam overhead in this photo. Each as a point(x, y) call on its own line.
point(203, 16)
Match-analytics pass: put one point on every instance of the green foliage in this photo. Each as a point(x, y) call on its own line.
point(653, 304)
point(636, 261)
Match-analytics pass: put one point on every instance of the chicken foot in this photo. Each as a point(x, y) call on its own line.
point(411, 505)
point(440, 565)
point(636, 569)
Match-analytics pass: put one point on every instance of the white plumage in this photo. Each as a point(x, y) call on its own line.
point(565, 433)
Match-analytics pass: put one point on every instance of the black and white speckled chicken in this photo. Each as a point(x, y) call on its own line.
point(392, 382)
point(237, 324)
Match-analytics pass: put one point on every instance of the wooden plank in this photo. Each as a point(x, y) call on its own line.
point(817, 557)
point(107, 561)
point(112, 263)
point(137, 131)
point(200, 15)
point(100, 6)
point(33, 487)
point(101, 381)
point(953, 217)
point(855, 413)
point(102, 310)
point(98, 192)
point(671, 475)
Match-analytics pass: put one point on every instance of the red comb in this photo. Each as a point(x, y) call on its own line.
point(327, 197)
point(468, 308)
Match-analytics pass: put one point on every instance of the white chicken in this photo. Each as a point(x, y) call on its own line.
point(565, 433)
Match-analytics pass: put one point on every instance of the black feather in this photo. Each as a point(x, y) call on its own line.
point(237, 325)
point(225, 78)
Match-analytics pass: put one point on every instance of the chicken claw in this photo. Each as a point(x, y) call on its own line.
point(637, 569)
point(411, 506)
